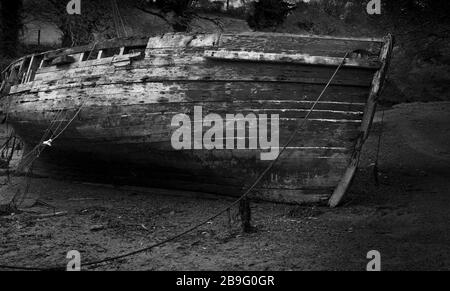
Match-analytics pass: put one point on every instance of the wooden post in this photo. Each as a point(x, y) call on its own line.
point(29, 72)
point(39, 38)
point(21, 72)
point(245, 213)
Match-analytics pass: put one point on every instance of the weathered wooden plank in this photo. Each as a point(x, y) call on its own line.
point(193, 91)
point(377, 83)
point(127, 110)
point(254, 56)
point(140, 112)
point(242, 97)
point(224, 167)
point(292, 43)
point(214, 73)
point(154, 130)
point(173, 40)
point(182, 40)
point(114, 43)
point(84, 66)
point(69, 171)
point(315, 37)
point(154, 57)
point(61, 101)
point(182, 59)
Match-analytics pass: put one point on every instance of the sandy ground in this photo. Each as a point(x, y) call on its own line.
point(405, 218)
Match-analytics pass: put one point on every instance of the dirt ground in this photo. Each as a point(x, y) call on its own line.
point(405, 218)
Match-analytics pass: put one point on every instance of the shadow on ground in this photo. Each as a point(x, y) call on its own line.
point(405, 217)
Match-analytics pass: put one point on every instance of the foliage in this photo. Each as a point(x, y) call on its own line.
point(176, 13)
point(268, 14)
point(417, 11)
point(94, 20)
point(11, 25)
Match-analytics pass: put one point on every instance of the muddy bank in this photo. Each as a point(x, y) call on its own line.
point(405, 217)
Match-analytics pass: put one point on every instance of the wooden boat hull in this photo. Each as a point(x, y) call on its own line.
point(126, 103)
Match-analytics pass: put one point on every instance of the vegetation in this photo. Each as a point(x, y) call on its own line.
point(10, 24)
point(268, 14)
point(421, 64)
point(95, 19)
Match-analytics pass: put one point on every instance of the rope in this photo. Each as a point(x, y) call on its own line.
point(42, 144)
point(51, 130)
point(39, 148)
point(8, 152)
point(5, 145)
point(214, 216)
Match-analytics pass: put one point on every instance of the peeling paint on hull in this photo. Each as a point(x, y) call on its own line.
point(123, 130)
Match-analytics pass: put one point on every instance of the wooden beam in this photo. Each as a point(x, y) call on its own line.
point(30, 67)
point(114, 43)
point(304, 59)
point(377, 83)
point(312, 36)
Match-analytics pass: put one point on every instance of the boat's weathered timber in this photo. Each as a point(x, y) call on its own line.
point(130, 89)
point(377, 85)
point(289, 59)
